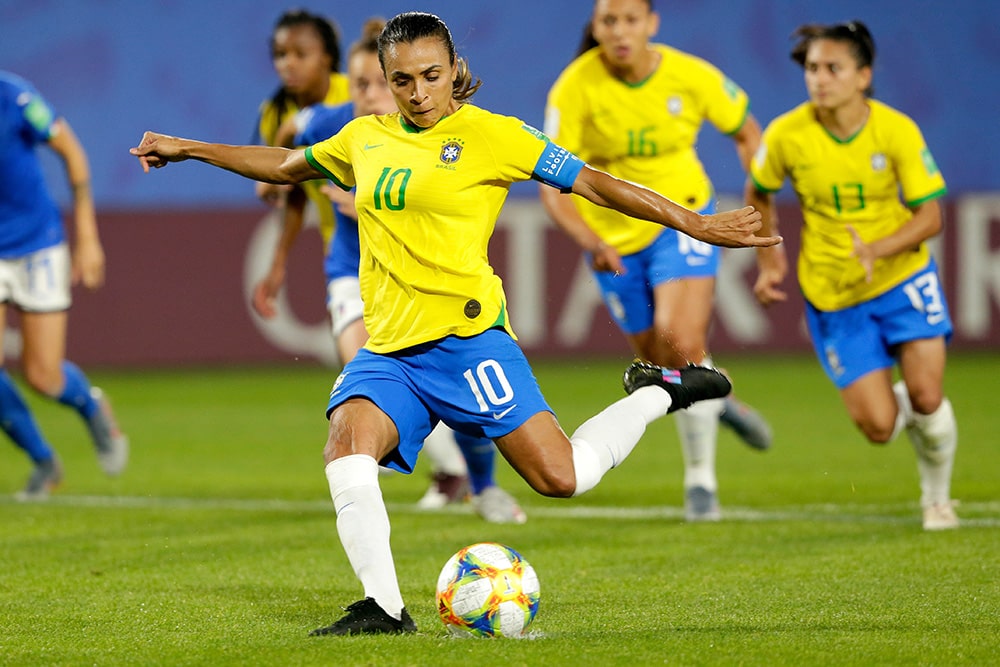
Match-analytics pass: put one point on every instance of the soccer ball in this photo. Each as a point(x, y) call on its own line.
point(488, 590)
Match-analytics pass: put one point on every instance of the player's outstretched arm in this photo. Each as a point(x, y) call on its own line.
point(732, 229)
point(261, 163)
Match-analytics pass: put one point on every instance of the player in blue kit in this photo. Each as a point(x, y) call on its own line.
point(431, 180)
point(36, 273)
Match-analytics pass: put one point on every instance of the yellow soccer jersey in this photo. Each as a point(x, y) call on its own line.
point(267, 127)
point(854, 182)
point(644, 133)
point(427, 204)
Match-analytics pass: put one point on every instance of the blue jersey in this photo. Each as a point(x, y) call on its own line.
point(315, 124)
point(29, 217)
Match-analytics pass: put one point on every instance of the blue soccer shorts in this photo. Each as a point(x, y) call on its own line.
point(855, 341)
point(672, 256)
point(481, 386)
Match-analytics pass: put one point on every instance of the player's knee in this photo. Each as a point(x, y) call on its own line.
point(48, 381)
point(674, 348)
point(926, 400)
point(338, 441)
point(555, 484)
point(877, 431)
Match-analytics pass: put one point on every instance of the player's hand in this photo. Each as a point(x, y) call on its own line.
point(343, 200)
point(733, 229)
point(156, 150)
point(772, 264)
point(863, 252)
point(88, 264)
point(272, 194)
point(265, 293)
point(606, 258)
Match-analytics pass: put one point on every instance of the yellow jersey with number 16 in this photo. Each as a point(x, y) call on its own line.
point(854, 182)
point(644, 132)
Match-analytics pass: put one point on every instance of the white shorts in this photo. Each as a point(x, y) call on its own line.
point(39, 282)
point(343, 300)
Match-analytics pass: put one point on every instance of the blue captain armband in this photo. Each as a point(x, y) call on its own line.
point(557, 167)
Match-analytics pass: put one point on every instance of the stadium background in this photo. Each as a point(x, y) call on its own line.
point(185, 244)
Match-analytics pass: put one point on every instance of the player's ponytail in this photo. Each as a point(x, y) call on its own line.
point(464, 87)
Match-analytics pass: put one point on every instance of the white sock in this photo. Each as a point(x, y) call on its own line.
point(363, 526)
point(935, 439)
point(698, 427)
point(904, 413)
point(442, 451)
point(603, 441)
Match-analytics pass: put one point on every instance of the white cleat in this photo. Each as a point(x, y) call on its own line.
point(940, 516)
point(497, 506)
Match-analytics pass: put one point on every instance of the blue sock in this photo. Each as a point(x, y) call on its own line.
point(18, 422)
point(76, 391)
point(480, 455)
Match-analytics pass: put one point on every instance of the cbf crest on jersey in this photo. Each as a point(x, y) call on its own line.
point(451, 151)
point(879, 162)
point(674, 105)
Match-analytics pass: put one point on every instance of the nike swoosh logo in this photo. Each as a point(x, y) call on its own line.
point(370, 146)
point(500, 415)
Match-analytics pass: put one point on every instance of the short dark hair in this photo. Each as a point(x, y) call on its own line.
point(853, 33)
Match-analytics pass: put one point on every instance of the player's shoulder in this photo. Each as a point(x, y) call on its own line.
point(12, 85)
point(885, 114)
point(326, 114)
point(682, 63)
point(478, 117)
point(586, 68)
point(796, 119)
point(495, 129)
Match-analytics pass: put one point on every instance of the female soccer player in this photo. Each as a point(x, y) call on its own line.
point(461, 465)
point(36, 273)
point(431, 180)
point(873, 297)
point(635, 108)
point(305, 52)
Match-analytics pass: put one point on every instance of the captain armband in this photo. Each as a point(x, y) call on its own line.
point(557, 167)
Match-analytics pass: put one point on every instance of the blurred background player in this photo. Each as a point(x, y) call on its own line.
point(36, 274)
point(634, 109)
point(873, 296)
point(305, 52)
point(462, 465)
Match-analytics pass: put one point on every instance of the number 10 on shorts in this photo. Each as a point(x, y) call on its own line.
point(489, 385)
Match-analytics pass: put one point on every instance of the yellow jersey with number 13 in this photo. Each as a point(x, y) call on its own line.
point(855, 182)
point(427, 202)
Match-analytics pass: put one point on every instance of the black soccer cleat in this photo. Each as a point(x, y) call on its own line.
point(365, 617)
point(685, 385)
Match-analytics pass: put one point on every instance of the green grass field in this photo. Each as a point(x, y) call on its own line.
point(218, 545)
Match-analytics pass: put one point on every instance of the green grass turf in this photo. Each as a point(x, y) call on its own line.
point(218, 545)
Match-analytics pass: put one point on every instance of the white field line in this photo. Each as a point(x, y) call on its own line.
point(978, 514)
